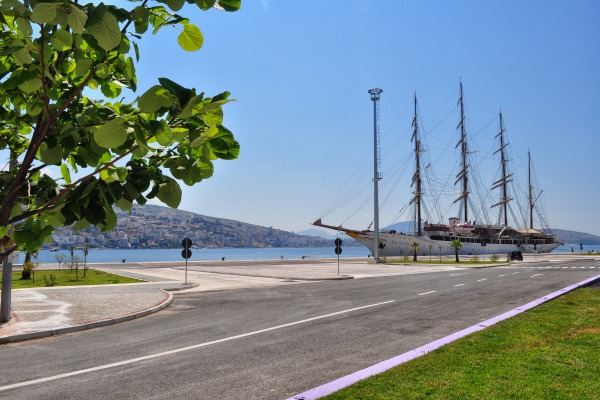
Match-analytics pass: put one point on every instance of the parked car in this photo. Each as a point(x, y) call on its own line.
point(515, 255)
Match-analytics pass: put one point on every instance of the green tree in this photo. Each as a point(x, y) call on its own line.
point(61, 258)
point(85, 250)
point(457, 245)
point(55, 54)
point(415, 247)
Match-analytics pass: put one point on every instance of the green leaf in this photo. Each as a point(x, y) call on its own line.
point(64, 171)
point(110, 222)
point(83, 66)
point(23, 56)
point(111, 90)
point(154, 99)
point(137, 51)
point(62, 40)
point(191, 38)
point(32, 234)
point(190, 108)
point(230, 5)
point(140, 16)
point(93, 84)
point(46, 12)
point(31, 85)
point(112, 134)
point(224, 145)
point(180, 133)
point(174, 5)
point(77, 19)
point(205, 4)
point(51, 156)
point(24, 26)
point(81, 225)
point(102, 71)
point(124, 204)
point(169, 192)
point(183, 94)
point(35, 106)
point(106, 32)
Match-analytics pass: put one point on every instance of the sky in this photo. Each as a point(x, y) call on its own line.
point(300, 72)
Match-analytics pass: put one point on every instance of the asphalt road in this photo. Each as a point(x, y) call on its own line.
point(271, 343)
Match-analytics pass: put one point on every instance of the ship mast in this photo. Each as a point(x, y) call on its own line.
point(417, 175)
point(502, 183)
point(375, 93)
point(462, 175)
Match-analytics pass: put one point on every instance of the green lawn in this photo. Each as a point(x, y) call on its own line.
point(549, 352)
point(65, 277)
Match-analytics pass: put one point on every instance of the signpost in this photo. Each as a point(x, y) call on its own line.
point(186, 253)
point(338, 251)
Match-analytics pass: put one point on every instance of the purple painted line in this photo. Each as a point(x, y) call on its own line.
point(345, 381)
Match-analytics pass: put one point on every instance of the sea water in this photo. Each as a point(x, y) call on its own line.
point(148, 255)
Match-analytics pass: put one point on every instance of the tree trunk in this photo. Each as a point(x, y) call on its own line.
point(456, 252)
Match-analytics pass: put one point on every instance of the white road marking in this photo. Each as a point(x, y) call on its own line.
point(182, 349)
point(457, 274)
point(500, 276)
point(533, 276)
point(421, 294)
point(484, 279)
point(515, 273)
point(460, 284)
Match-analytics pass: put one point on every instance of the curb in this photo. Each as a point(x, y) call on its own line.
point(90, 325)
point(333, 278)
point(383, 366)
point(182, 287)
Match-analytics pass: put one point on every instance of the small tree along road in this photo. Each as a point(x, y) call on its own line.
point(50, 51)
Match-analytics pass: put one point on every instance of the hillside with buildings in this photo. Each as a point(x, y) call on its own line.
point(151, 226)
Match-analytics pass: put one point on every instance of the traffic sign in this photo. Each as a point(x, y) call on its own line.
point(338, 246)
point(186, 253)
point(186, 243)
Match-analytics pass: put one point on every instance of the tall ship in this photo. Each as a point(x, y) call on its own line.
point(440, 238)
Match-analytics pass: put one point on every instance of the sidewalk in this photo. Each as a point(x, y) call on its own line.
point(43, 312)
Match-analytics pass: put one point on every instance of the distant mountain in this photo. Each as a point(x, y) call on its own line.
point(348, 241)
point(573, 237)
point(153, 226)
point(404, 226)
point(316, 232)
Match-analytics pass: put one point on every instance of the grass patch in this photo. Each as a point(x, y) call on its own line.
point(549, 352)
point(68, 278)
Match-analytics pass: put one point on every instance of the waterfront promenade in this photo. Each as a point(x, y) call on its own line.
point(51, 311)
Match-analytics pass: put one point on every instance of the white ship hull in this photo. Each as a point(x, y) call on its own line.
point(397, 244)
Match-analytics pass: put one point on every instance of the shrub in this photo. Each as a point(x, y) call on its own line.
point(50, 281)
point(494, 257)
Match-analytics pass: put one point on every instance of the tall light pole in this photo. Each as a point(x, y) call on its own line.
point(375, 93)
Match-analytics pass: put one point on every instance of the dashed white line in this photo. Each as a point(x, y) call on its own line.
point(500, 276)
point(460, 284)
point(457, 274)
point(533, 276)
point(421, 294)
point(484, 279)
point(181, 349)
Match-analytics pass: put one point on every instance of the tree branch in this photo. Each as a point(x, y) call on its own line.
point(51, 203)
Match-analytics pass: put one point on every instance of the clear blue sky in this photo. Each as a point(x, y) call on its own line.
point(300, 72)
